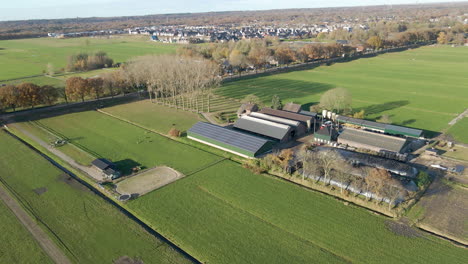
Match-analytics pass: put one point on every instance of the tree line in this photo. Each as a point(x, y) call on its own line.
point(87, 62)
point(27, 95)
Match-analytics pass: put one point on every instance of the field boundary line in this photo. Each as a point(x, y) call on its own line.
point(127, 212)
point(273, 225)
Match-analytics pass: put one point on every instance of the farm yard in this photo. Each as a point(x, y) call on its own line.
point(148, 181)
point(86, 227)
point(18, 245)
point(422, 88)
point(28, 57)
point(219, 199)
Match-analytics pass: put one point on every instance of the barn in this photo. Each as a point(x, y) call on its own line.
point(381, 127)
point(304, 119)
point(270, 130)
point(299, 128)
point(106, 167)
point(229, 140)
point(372, 141)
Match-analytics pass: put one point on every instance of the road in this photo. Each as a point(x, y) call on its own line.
point(31, 225)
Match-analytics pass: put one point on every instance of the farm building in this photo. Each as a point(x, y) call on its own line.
point(107, 168)
point(325, 135)
point(246, 109)
point(292, 107)
point(278, 132)
point(381, 127)
point(372, 141)
point(229, 140)
point(307, 113)
point(299, 128)
point(306, 120)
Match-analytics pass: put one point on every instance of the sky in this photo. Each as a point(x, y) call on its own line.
point(48, 9)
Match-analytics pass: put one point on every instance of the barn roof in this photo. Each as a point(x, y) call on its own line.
point(373, 139)
point(102, 164)
point(228, 136)
point(275, 119)
point(292, 107)
point(399, 130)
point(262, 127)
point(390, 129)
point(286, 114)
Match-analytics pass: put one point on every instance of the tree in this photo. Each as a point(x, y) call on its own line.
point(360, 115)
point(258, 56)
point(30, 95)
point(50, 94)
point(9, 96)
point(375, 42)
point(95, 86)
point(337, 99)
point(252, 99)
point(385, 119)
point(276, 102)
point(341, 173)
point(327, 160)
point(76, 88)
point(442, 38)
point(284, 54)
point(238, 59)
point(50, 69)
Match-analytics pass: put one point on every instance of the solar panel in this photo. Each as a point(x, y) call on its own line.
point(228, 136)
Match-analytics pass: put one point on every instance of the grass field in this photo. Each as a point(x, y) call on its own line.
point(157, 117)
point(26, 57)
point(225, 214)
point(459, 131)
point(422, 88)
point(18, 245)
point(126, 145)
point(94, 231)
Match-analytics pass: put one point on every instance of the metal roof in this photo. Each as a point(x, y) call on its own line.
point(292, 107)
point(373, 139)
point(403, 130)
point(361, 122)
point(228, 136)
point(102, 163)
point(262, 127)
point(286, 114)
point(308, 113)
point(275, 119)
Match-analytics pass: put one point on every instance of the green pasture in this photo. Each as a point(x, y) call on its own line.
point(18, 245)
point(125, 144)
point(459, 131)
point(27, 57)
point(91, 229)
point(422, 88)
point(154, 116)
point(225, 214)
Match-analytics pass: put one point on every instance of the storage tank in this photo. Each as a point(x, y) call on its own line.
point(333, 117)
point(324, 113)
point(329, 114)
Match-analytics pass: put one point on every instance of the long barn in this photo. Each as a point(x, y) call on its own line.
point(229, 140)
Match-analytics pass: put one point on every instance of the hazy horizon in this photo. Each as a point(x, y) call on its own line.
point(55, 9)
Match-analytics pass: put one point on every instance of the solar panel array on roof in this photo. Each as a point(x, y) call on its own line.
point(228, 136)
point(262, 127)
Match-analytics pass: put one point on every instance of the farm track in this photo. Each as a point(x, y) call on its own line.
point(107, 199)
point(31, 225)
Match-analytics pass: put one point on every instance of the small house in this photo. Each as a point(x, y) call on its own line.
point(107, 168)
point(326, 135)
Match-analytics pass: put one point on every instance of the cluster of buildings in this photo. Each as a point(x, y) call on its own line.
point(87, 33)
point(258, 131)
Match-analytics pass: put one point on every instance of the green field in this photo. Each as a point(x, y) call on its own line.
point(225, 214)
point(422, 88)
point(91, 229)
point(157, 117)
point(126, 145)
point(459, 131)
point(26, 57)
point(18, 245)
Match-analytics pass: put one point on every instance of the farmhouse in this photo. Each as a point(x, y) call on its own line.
point(107, 168)
point(372, 141)
point(275, 131)
point(306, 120)
point(229, 140)
point(299, 128)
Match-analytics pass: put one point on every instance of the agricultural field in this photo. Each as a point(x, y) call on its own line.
point(27, 57)
point(125, 144)
point(459, 131)
point(225, 214)
point(88, 229)
point(154, 116)
point(18, 245)
point(423, 88)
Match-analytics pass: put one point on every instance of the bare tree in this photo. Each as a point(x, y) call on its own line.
point(337, 99)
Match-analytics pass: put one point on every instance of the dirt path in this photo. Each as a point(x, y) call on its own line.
point(28, 222)
point(460, 116)
point(88, 170)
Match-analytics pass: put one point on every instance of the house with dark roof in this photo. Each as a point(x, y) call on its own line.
point(107, 168)
point(306, 120)
point(372, 141)
point(229, 140)
point(326, 135)
point(268, 129)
